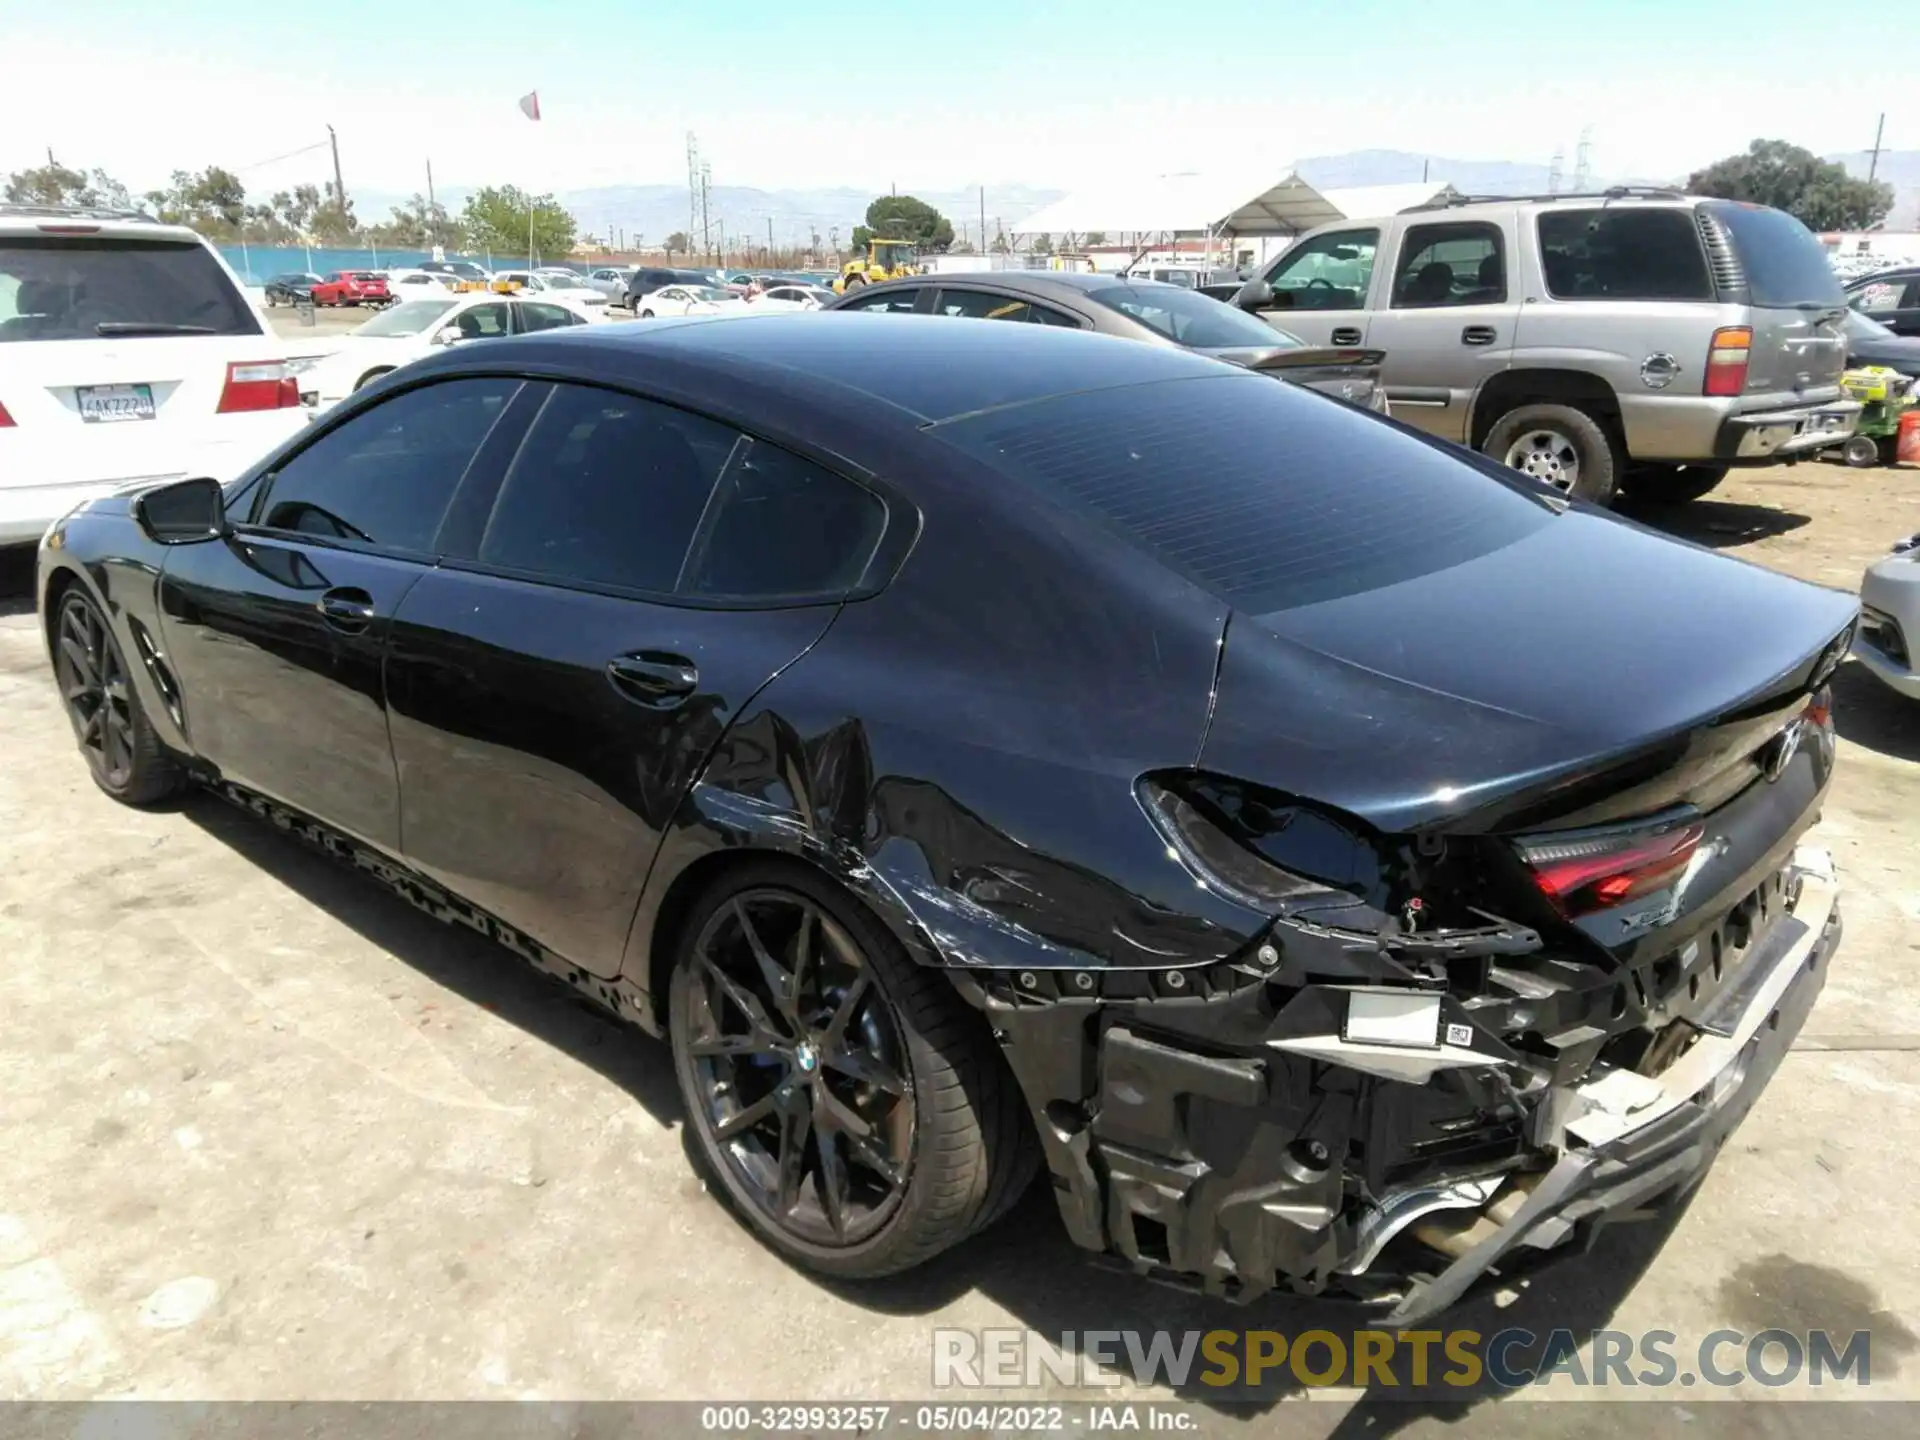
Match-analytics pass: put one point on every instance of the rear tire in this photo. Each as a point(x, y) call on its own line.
point(1671, 484)
point(853, 282)
point(646, 314)
point(1560, 446)
point(945, 1147)
point(123, 754)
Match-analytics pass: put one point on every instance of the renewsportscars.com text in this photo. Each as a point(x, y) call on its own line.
point(1415, 1359)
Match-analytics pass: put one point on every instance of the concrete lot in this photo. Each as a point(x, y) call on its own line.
point(271, 1133)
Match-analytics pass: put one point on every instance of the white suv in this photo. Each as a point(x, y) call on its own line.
point(128, 353)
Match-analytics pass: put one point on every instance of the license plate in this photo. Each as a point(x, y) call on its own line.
point(107, 404)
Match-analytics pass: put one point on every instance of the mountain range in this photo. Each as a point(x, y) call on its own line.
point(647, 214)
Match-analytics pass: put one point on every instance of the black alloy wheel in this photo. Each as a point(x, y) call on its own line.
point(849, 1106)
point(800, 1068)
point(122, 752)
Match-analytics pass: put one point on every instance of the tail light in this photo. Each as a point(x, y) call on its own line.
point(6, 420)
point(1580, 873)
point(1727, 356)
point(263, 385)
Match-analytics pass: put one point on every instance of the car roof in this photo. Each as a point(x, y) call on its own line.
point(80, 223)
point(926, 366)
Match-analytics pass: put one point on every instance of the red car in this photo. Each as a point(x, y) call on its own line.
point(352, 287)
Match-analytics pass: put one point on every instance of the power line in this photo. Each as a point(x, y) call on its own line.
point(303, 150)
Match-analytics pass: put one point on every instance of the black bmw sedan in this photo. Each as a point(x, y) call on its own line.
point(1339, 864)
point(1131, 309)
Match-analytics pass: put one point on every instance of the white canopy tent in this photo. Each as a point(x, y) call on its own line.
point(1367, 202)
point(1187, 204)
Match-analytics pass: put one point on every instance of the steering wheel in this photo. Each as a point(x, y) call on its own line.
point(1318, 282)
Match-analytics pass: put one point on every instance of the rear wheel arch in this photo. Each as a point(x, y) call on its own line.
point(62, 580)
point(1577, 389)
point(372, 375)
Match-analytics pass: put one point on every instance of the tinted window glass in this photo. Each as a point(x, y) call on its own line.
point(607, 489)
point(1187, 316)
point(785, 527)
point(484, 322)
point(1264, 495)
point(887, 302)
point(1328, 272)
point(1623, 254)
point(547, 317)
point(1461, 264)
point(1785, 263)
point(1882, 297)
point(64, 288)
point(385, 476)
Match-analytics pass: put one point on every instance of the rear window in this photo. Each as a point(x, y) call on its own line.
point(1188, 317)
point(1261, 494)
point(1786, 265)
point(63, 288)
point(1623, 253)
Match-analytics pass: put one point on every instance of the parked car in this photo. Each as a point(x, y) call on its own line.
point(422, 284)
point(1871, 343)
point(1317, 907)
point(611, 280)
point(690, 300)
point(352, 287)
point(1892, 297)
point(563, 285)
point(128, 351)
point(416, 328)
point(467, 275)
point(1149, 310)
point(1890, 618)
point(649, 278)
point(291, 289)
point(796, 297)
point(1638, 339)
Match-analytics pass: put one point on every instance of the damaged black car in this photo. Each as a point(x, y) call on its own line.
point(1340, 866)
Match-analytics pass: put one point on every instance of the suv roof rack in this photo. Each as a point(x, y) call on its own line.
point(74, 212)
point(1617, 192)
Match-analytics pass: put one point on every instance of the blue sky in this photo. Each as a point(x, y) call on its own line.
point(930, 93)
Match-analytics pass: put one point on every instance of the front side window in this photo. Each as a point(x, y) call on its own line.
point(485, 322)
point(384, 477)
point(1328, 272)
point(1882, 297)
point(785, 528)
point(1454, 264)
point(1623, 253)
point(607, 489)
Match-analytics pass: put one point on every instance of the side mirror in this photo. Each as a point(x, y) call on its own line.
point(1255, 295)
point(182, 513)
point(447, 335)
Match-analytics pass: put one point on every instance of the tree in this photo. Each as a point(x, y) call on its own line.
point(902, 217)
point(496, 220)
point(1096, 237)
point(1041, 245)
point(999, 246)
point(1818, 193)
point(678, 241)
point(214, 202)
point(56, 184)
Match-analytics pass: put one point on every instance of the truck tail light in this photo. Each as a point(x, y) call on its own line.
point(258, 385)
point(1727, 356)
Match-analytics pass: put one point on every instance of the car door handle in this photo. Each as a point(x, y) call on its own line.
point(653, 678)
point(1345, 335)
point(1478, 335)
point(346, 609)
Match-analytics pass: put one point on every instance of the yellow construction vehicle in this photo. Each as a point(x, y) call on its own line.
point(884, 260)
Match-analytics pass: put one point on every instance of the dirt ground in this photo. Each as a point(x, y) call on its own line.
point(271, 1133)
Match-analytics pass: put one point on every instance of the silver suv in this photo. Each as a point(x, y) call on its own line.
point(1639, 340)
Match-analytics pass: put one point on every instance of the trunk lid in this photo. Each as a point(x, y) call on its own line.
point(1590, 670)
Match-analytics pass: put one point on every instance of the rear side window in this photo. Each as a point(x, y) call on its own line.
point(1187, 317)
point(1460, 263)
point(785, 528)
point(607, 489)
point(384, 478)
point(1259, 493)
point(63, 288)
point(1785, 263)
point(1623, 253)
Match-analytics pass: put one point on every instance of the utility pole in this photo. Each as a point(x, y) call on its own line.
point(769, 240)
point(431, 202)
point(983, 219)
point(1424, 164)
point(50, 159)
point(339, 185)
point(1873, 165)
